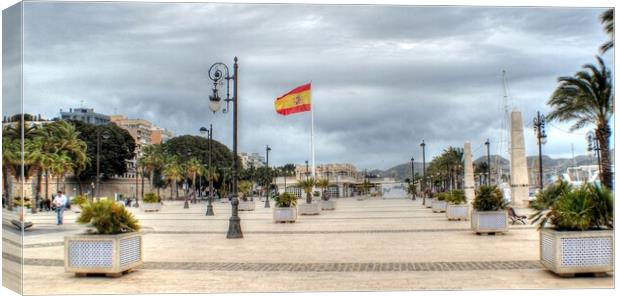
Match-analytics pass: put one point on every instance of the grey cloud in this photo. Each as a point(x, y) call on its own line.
point(384, 77)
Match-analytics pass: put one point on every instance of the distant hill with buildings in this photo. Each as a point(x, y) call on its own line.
point(550, 165)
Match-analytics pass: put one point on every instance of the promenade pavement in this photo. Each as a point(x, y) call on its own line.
point(368, 245)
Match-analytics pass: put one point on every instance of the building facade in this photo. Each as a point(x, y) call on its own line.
point(87, 115)
point(252, 159)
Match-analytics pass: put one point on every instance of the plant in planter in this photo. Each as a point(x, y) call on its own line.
point(113, 248)
point(439, 202)
point(428, 202)
point(245, 188)
point(489, 214)
point(580, 236)
point(20, 207)
point(285, 209)
point(77, 202)
point(457, 208)
point(308, 208)
point(326, 203)
point(151, 202)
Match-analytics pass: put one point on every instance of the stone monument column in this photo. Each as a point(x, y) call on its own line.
point(519, 181)
point(469, 172)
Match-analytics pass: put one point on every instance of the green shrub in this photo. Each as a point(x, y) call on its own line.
point(285, 200)
point(108, 217)
point(456, 197)
point(441, 196)
point(583, 208)
point(79, 200)
point(18, 202)
point(317, 193)
point(151, 197)
point(489, 198)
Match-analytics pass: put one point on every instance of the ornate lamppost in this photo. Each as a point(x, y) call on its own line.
point(539, 129)
point(105, 135)
point(209, 132)
point(267, 149)
point(423, 187)
point(218, 72)
point(488, 144)
point(412, 179)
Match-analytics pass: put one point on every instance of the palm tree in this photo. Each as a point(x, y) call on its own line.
point(587, 98)
point(245, 187)
point(607, 19)
point(11, 157)
point(152, 159)
point(173, 172)
point(306, 186)
point(61, 165)
point(192, 167)
point(323, 184)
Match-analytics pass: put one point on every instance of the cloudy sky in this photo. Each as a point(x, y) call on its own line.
point(383, 77)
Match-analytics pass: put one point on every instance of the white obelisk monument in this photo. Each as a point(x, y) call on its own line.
point(469, 172)
point(519, 181)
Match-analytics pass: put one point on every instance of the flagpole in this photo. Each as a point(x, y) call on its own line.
point(312, 136)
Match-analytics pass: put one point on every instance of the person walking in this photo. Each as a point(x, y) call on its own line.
point(60, 202)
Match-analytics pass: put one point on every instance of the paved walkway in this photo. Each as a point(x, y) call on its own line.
point(364, 245)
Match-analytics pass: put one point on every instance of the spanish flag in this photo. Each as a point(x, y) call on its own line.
point(297, 100)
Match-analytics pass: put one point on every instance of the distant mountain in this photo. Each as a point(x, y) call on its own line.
point(403, 171)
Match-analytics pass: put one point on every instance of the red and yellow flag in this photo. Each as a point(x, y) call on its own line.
point(297, 100)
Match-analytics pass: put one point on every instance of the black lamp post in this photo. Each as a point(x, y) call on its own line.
point(307, 170)
point(186, 204)
point(105, 135)
point(488, 144)
point(209, 132)
point(423, 187)
point(593, 145)
point(267, 149)
point(412, 178)
point(539, 129)
point(217, 72)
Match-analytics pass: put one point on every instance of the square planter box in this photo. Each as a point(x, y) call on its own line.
point(439, 206)
point(429, 203)
point(246, 206)
point(111, 254)
point(309, 209)
point(327, 205)
point(570, 252)
point(285, 214)
point(489, 221)
point(457, 212)
point(150, 206)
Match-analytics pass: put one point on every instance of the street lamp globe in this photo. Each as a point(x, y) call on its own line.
point(215, 101)
point(203, 130)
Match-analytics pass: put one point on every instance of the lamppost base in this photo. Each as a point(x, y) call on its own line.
point(234, 228)
point(186, 205)
point(267, 202)
point(209, 210)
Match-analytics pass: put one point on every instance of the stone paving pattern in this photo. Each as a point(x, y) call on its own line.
point(368, 245)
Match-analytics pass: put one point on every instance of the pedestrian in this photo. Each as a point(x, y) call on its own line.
point(60, 202)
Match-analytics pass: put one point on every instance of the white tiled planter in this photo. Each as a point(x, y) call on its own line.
point(439, 206)
point(246, 206)
point(429, 203)
point(284, 214)
point(457, 212)
point(570, 252)
point(309, 209)
point(98, 253)
point(150, 206)
point(327, 205)
point(489, 221)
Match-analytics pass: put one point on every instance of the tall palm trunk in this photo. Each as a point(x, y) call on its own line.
point(603, 133)
point(176, 186)
point(37, 196)
point(47, 181)
point(5, 179)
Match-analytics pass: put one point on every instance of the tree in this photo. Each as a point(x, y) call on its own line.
point(306, 186)
point(323, 184)
point(115, 151)
point(587, 98)
point(607, 19)
point(173, 172)
point(245, 187)
point(192, 168)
